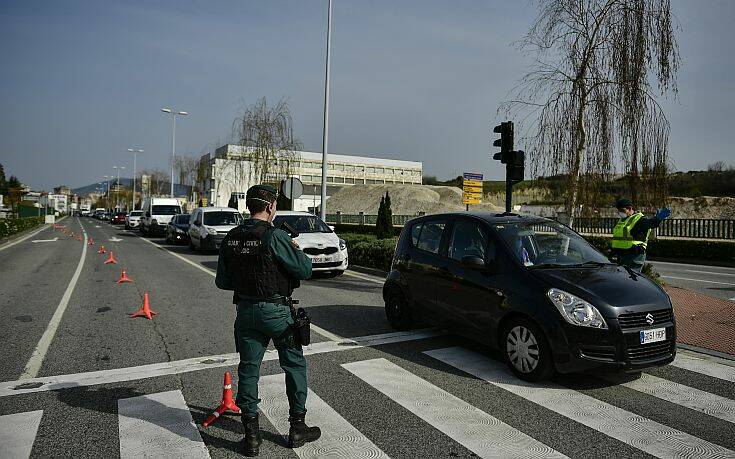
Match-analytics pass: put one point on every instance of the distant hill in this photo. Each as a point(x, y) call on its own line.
point(179, 190)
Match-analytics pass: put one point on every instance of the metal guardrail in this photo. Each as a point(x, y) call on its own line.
point(690, 228)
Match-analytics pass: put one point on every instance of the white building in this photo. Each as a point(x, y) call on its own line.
point(230, 172)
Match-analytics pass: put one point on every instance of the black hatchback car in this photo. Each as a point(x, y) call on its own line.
point(177, 229)
point(532, 288)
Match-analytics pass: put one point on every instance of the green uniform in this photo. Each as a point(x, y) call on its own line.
point(261, 319)
point(630, 239)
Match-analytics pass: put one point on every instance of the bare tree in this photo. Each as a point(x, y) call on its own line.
point(599, 66)
point(160, 181)
point(267, 134)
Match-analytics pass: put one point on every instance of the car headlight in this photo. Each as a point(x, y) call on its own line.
point(342, 244)
point(575, 310)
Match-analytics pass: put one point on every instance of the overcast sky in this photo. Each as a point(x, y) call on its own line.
point(82, 81)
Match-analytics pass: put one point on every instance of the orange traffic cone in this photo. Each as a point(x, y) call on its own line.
point(227, 403)
point(145, 310)
point(90, 241)
point(111, 259)
point(124, 277)
point(79, 238)
point(102, 249)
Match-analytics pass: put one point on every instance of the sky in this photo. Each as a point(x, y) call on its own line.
point(81, 81)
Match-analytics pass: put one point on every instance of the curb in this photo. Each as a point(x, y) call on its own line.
point(371, 271)
point(701, 350)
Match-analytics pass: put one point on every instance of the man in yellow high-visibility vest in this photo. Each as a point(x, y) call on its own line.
point(631, 233)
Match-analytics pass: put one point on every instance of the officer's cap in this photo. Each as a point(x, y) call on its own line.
point(266, 188)
point(623, 203)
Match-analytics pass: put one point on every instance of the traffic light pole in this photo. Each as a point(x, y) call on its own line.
point(508, 191)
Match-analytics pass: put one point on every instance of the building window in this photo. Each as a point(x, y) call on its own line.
point(349, 180)
point(330, 166)
point(339, 180)
point(330, 179)
point(339, 167)
point(370, 170)
point(359, 168)
point(379, 170)
point(349, 168)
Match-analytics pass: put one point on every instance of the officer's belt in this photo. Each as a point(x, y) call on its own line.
point(282, 300)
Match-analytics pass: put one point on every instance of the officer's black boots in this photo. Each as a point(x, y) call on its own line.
point(251, 442)
point(300, 433)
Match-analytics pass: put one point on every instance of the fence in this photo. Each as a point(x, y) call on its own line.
point(693, 228)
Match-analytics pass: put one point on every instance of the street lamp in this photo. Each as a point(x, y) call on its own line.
point(173, 114)
point(107, 194)
point(135, 155)
point(325, 132)
point(117, 188)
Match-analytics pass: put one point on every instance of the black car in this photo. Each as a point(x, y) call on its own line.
point(177, 229)
point(532, 288)
point(118, 218)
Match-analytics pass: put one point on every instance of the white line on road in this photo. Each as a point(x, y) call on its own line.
point(18, 432)
point(708, 272)
point(92, 378)
point(34, 363)
point(637, 431)
point(339, 438)
point(18, 241)
point(35, 241)
point(679, 265)
point(697, 365)
point(469, 426)
point(697, 280)
point(158, 425)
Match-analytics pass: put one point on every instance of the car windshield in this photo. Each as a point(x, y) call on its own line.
point(166, 210)
point(548, 244)
point(182, 219)
point(222, 218)
point(303, 223)
point(136, 213)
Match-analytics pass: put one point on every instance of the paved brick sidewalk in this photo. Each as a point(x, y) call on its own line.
point(704, 321)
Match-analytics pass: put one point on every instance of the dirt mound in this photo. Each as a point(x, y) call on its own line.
point(405, 199)
point(703, 207)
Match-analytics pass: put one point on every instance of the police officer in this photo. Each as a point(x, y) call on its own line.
point(631, 233)
point(262, 265)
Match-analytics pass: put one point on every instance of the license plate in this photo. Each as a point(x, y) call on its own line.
point(320, 259)
point(653, 336)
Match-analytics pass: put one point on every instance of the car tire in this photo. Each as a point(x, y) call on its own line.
point(397, 310)
point(520, 339)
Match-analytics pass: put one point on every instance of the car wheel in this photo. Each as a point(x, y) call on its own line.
point(527, 351)
point(397, 310)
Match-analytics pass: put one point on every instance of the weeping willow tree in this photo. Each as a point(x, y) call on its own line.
point(590, 97)
point(266, 133)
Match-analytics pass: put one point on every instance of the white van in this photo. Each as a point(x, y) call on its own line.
point(157, 212)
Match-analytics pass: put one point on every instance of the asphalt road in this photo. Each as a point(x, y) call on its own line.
point(715, 281)
point(107, 385)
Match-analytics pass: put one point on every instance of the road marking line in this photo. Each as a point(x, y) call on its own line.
point(697, 280)
point(682, 395)
point(374, 279)
point(92, 378)
point(469, 426)
point(45, 240)
point(705, 367)
point(34, 363)
point(708, 272)
point(158, 425)
point(339, 438)
point(18, 432)
point(18, 241)
point(321, 331)
point(635, 430)
point(687, 264)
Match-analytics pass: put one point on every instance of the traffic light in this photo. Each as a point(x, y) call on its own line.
point(505, 142)
point(515, 166)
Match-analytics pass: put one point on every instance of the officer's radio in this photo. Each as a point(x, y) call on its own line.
point(301, 323)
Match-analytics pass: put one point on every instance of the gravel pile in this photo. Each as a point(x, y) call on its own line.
point(405, 199)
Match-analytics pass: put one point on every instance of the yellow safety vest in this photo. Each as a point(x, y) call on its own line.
point(622, 239)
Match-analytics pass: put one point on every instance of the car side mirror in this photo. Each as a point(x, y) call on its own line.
point(473, 262)
point(331, 227)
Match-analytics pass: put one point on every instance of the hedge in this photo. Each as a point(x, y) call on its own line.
point(10, 226)
point(365, 250)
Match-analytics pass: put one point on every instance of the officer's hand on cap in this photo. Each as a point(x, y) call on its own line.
point(663, 214)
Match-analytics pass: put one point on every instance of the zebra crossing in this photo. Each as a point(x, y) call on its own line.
point(161, 424)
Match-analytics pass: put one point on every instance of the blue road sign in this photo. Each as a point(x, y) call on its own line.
point(472, 176)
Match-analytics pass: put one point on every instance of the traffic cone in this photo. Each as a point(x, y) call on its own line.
point(124, 277)
point(111, 259)
point(227, 403)
point(79, 238)
point(102, 249)
point(145, 310)
point(90, 241)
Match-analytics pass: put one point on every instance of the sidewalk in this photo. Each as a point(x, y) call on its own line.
point(703, 321)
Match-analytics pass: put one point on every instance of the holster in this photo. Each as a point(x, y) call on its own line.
point(301, 324)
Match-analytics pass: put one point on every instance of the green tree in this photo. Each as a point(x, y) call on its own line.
point(384, 223)
point(232, 202)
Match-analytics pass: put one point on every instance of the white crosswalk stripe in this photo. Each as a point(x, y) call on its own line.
point(474, 429)
point(690, 397)
point(158, 425)
point(17, 433)
point(340, 440)
point(705, 367)
point(637, 431)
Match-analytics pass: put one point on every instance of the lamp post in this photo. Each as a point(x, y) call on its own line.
point(173, 114)
point(135, 156)
point(117, 187)
point(325, 132)
point(107, 194)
